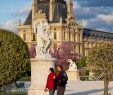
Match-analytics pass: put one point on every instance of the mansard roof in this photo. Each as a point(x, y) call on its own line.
point(97, 34)
point(59, 11)
point(28, 20)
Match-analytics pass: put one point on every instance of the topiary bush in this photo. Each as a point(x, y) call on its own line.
point(14, 57)
point(100, 63)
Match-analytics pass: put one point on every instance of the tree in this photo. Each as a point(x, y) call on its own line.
point(32, 51)
point(82, 62)
point(65, 52)
point(14, 57)
point(100, 62)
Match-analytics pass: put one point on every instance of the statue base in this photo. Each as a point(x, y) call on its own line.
point(91, 76)
point(39, 73)
point(73, 75)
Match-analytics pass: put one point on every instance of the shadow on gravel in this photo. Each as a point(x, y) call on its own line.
point(89, 92)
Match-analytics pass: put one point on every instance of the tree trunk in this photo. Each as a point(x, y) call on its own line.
point(106, 83)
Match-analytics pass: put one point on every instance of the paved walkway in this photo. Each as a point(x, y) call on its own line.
point(86, 87)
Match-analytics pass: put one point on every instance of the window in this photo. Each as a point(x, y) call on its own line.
point(54, 28)
point(33, 37)
point(55, 35)
point(64, 35)
point(24, 36)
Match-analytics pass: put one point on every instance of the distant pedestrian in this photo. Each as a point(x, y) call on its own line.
point(50, 85)
point(62, 79)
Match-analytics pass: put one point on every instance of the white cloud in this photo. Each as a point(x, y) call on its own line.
point(94, 17)
point(22, 12)
point(98, 24)
point(75, 5)
point(106, 18)
point(10, 25)
point(84, 23)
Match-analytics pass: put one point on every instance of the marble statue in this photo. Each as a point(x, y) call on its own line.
point(72, 66)
point(43, 61)
point(44, 39)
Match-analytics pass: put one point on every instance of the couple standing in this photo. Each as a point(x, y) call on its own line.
point(56, 81)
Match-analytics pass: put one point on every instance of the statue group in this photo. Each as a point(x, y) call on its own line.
point(44, 39)
point(43, 61)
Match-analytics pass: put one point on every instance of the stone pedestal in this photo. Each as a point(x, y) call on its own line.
point(91, 76)
point(73, 75)
point(39, 72)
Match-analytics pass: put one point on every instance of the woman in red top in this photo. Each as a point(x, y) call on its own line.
point(50, 85)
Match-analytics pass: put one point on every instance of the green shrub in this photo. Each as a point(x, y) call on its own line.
point(14, 57)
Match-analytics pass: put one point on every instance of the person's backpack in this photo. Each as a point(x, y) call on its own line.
point(64, 78)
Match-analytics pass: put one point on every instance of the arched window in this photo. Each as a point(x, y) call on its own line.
point(108, 37)
point(101, 37)
point(97, 36)
point(104, 37)
point(93, 36)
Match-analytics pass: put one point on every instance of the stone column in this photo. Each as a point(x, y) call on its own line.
point(77, 42)
point(86, 47)
point(39, 72)
point(77, 37)
point(66, 36)
point(77, 48)
point(81, 49)
point(85, 51)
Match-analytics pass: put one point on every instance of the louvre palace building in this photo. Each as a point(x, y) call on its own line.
point(63, 26)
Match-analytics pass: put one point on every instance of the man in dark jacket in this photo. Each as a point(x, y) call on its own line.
point(62, 79)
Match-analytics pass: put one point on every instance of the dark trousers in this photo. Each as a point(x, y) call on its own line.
point(60, 90)
point(51, 92)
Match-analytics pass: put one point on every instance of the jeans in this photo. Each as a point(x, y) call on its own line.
point(60, 90)
point(51, 92)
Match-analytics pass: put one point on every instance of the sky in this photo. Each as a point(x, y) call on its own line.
point(95, 14)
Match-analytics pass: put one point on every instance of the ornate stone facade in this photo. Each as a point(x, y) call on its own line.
point(63, 26)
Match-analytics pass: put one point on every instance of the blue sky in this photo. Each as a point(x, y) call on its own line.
point(13, 10)
point(96, 14)
point(11, 7)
